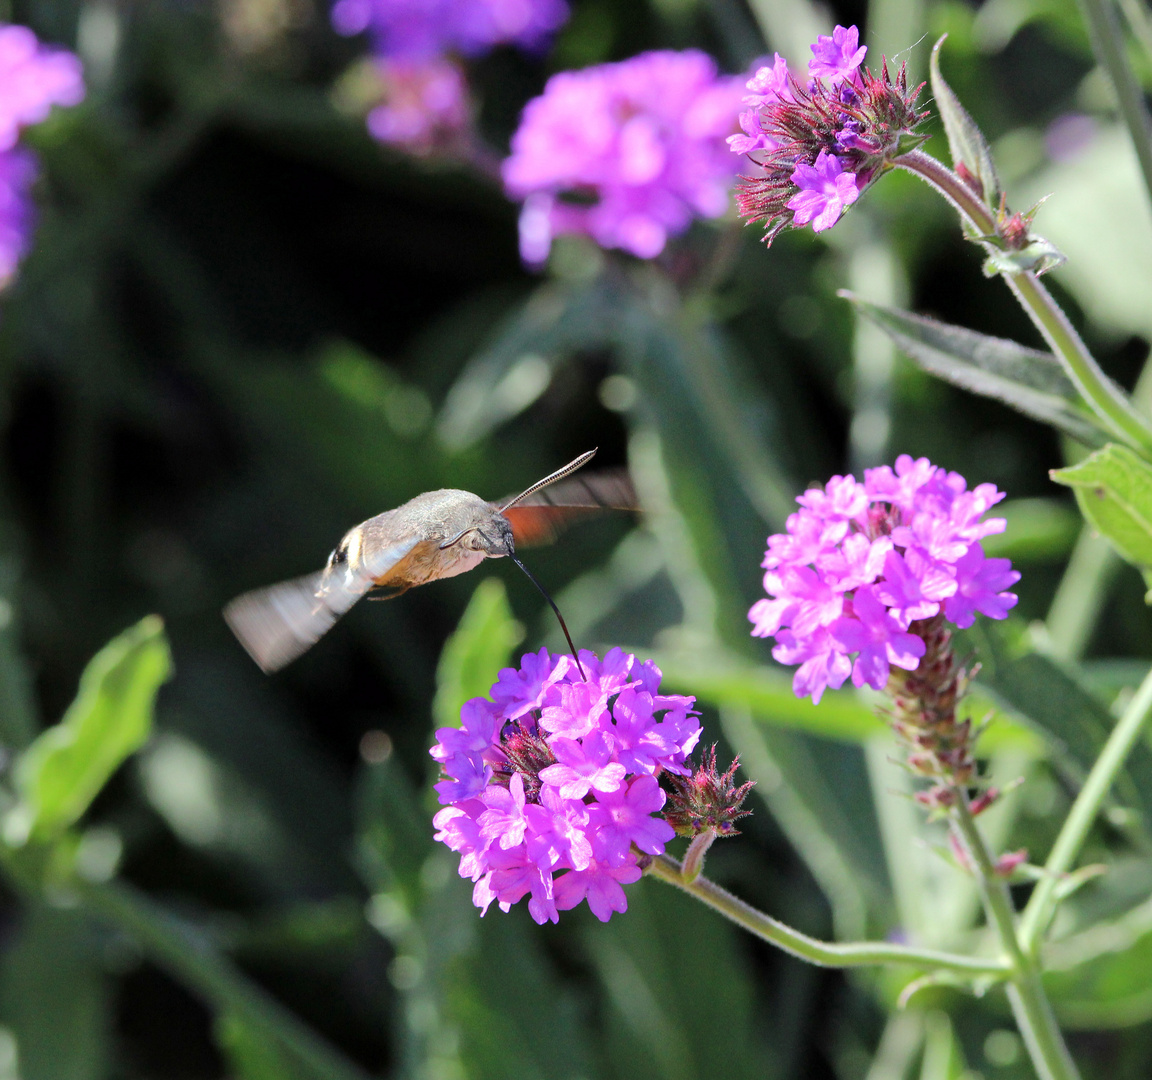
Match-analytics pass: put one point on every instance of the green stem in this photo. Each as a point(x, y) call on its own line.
point(1108, 45)
point(1026, 994)
point(1105, 398)
point(189, 957)
point(821, 953)
point(1125, 735)
point(1081, 595)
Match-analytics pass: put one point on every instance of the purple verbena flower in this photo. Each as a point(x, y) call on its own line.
point(422, 30)
point(17, 172)
point(566, 806)
point(33, 78)
point(837, 57)
point(824, 191)
point(626, 153)
point(423, 105)
point(863, 567)
point(815, 147)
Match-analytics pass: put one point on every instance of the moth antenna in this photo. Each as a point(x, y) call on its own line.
point(543, 591)
point(559, 474)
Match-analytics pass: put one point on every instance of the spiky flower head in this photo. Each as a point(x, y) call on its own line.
point(817, 146)
point(706, 800)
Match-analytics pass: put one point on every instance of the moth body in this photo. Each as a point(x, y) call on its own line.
point(438, 534)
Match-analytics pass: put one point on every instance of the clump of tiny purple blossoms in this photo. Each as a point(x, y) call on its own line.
point(626, 153)
point(33, 78)
point(867, 573)
point(818, 146)
point(552, 787)
point(420, 94)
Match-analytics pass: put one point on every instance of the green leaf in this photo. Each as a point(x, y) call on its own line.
point(64, 769)
point(252, 1056)
point(1048, 698)
point(54, 996)
point(965, 140)
point(1102, 977)
point(473, 656)
point(1030, 381)
point(502, 380)
point(1114, 489)
point(1038, 257)
point(724, 680)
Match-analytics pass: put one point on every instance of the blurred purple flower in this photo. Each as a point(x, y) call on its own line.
point(560, 815)
point(33, 78)
point(1069, 135)
point(17, 172)
point(626, 153)
point(424, 104)
point(429, 29)
point(865, 569)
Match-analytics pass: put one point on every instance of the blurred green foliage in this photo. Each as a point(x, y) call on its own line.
point(245, 327)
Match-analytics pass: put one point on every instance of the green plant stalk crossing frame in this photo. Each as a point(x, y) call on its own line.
point(1106, 399)
point(1125, 735)
point(1026, 995)
point(821, 953)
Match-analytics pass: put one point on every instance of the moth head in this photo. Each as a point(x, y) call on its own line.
point(492, 537)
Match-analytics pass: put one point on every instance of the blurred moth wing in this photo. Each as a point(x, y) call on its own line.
point(542, 516)
point(278, 623)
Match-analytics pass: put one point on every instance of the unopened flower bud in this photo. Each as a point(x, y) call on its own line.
point(707, 800)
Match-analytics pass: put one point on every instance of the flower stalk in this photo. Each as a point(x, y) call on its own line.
point(815, 951)
point(1125, 735)
point(1030, 1005)
point(1105, 398)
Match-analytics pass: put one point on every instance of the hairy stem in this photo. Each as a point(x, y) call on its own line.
point(1104, 397)
point(1026, 995)
point(821, 953)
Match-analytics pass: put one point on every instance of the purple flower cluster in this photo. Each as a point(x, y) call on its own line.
point(817, 146)
point(551, 786)
point(423, 95)
point(429, 29)
point(626, 153)
point(424, 104)
point(862, 565)
point(17, 171)
point(33, 78)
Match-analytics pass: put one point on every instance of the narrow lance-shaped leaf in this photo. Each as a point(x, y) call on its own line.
point(64, 769)
point(1030, 381)
point(472, 657)
point(966, 142)
point(1114, 489)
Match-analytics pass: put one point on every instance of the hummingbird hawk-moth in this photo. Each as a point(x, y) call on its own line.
point(438, 534)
